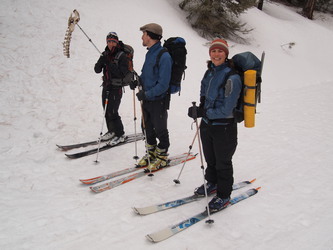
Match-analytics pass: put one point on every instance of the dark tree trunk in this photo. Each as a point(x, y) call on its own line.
point(308, 9)
point(260, 4)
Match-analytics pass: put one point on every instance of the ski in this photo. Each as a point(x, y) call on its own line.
point(179, 202)
point(109, 176)
point(91, 143)
point(120, 172)
point(103, 148)
point(112, 184)
point(172, 230)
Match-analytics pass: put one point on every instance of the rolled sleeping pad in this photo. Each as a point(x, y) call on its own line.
point(249, 98)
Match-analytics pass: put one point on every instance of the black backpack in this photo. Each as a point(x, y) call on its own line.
point(177, 50)
point(241, 63)
point(129, 52)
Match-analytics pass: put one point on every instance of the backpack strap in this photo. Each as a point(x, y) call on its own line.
point(117, 57)
point(116, 81)
point(230, 73)
point(159, 55)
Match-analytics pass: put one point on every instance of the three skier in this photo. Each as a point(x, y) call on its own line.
point(218, 130)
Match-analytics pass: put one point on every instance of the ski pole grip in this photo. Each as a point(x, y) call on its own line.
point(194, 110)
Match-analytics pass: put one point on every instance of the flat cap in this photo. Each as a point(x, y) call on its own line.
point(152, 27)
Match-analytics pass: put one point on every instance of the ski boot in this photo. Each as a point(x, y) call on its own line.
point(160, 161)
point(116, 140)
point(217, 204)
point(148, 157)
point(108, 136)
point(200, 191)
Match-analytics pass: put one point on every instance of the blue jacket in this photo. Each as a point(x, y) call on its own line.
point(220, 102)
point(155, 79)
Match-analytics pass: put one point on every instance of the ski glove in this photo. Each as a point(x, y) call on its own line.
point(100, 64)
point(133, 84)
point(103, 60)
point(141, 95)
point(196, 112)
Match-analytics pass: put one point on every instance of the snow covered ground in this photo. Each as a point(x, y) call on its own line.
point(47, 99)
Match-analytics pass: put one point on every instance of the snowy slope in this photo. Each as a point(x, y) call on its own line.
point(47, 99)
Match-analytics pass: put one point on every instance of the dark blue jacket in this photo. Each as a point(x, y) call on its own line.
point(220, 101)
point(154, 78)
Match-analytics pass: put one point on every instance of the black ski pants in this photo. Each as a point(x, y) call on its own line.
point(219, 144)
point(155, 122)
point(112, 117)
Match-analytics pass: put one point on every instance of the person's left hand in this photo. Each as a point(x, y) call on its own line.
point(141, 95)
point(195, 112)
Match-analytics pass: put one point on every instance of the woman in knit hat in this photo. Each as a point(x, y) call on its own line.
point(219, 94)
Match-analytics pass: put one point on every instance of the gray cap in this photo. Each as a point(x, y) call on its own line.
point(152, 27)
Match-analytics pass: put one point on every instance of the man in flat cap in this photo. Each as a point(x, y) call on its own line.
point(154, 84)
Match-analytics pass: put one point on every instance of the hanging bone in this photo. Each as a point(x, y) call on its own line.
point(73, 19)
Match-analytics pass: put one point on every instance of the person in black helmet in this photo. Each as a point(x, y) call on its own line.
point(112, 72)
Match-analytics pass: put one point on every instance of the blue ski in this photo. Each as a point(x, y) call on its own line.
point(173, 230)
point(176, 203)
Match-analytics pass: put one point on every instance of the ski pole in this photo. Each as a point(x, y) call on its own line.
point(188, 154)
point(145, 133)
point(209, 221)
point(89, 38)
point(106, 102)
point(136, 157)
point(260, 73)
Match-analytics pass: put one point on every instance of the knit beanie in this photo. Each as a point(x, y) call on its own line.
point(112, 36)
point(219, 44)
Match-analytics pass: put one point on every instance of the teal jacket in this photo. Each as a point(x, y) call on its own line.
point(220, 101)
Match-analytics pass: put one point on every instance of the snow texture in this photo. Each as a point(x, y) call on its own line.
point(48, 99)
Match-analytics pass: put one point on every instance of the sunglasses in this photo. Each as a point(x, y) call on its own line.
point(111, 41)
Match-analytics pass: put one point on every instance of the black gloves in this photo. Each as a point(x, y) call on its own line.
point(196, 112)
point(141, 95)
point(133, 84)
point(103, 60)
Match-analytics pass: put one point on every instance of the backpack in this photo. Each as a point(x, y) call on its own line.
point(129, 52)
point(177, 50)
point(241, 63)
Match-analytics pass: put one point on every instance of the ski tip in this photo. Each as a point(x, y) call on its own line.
point(85, 182)
point(148, 237)
point(60, 148)
point(69, 156)
point(253, 180)
point(257, 188)
point(135, 210)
